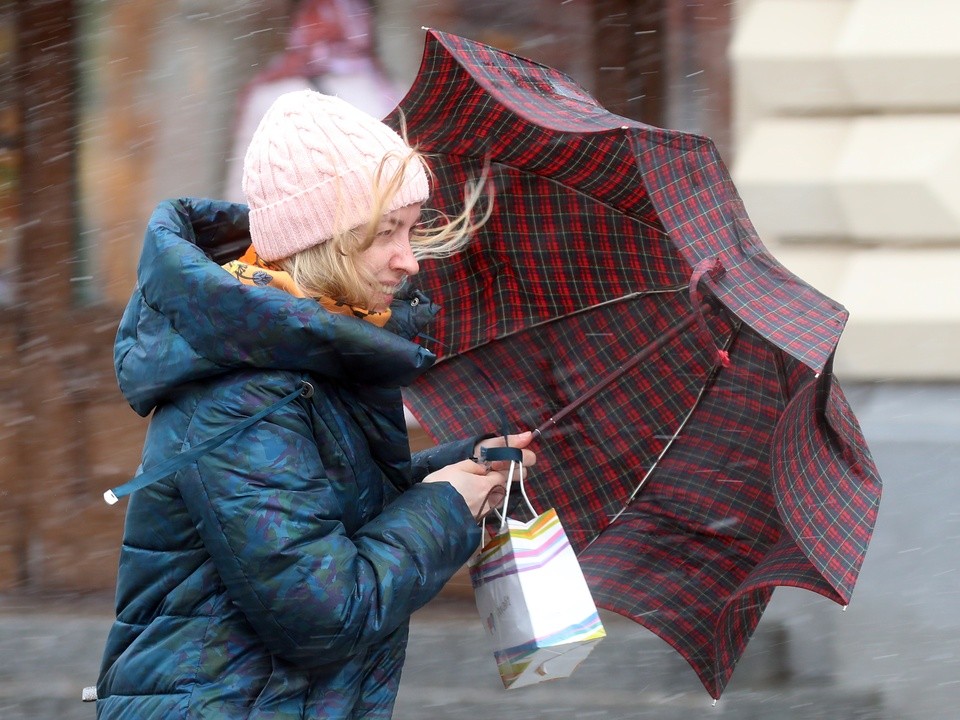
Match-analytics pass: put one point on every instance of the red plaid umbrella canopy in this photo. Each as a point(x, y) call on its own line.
point(693, 439)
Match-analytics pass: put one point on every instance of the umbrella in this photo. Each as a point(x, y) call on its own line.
point(692, 436)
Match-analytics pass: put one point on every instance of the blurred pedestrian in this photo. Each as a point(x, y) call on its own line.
point(330, 48)
point(275, 575)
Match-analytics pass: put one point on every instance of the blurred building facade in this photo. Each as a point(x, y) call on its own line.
point(847, 137)
point(838, 130)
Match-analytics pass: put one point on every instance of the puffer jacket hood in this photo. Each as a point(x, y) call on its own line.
point(189, 320)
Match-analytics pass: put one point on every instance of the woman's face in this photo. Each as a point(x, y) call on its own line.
point(389, 260)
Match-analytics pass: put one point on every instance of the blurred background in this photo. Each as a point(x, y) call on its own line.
point(840, 122)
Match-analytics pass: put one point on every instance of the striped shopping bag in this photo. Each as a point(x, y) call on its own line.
point(534, 601)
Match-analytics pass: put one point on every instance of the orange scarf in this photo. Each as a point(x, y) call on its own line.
point(251, 269)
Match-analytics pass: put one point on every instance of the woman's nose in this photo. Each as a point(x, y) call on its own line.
point(405, 260)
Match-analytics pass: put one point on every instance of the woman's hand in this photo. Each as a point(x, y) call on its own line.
point(483, 486)
point(481, 489)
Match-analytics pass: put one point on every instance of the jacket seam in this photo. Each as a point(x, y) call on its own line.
point(216, 514)
point(184, 444)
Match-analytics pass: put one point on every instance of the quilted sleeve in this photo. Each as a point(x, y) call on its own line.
point(432, 459)
point(270, 515)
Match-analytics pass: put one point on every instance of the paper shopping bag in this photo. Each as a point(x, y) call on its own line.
point(534, 602)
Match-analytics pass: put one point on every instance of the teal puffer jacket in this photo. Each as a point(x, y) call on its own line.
point(275, 576)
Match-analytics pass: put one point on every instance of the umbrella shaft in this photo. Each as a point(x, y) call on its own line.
point(619, 372)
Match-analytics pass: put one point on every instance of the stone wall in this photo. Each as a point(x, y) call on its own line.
point(847, 128)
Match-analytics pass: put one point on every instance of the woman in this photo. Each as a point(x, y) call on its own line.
point(275, 575)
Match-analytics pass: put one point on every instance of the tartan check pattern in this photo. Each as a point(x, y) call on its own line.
point(472, 101)
point(827, 486)
point(689, 490)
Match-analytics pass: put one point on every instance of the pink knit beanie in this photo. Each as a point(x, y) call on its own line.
point(309, 169)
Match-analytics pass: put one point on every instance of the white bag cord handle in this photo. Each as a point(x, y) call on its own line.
point(515, 456)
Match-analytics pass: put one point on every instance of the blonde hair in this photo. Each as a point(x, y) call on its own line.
point(330, 268)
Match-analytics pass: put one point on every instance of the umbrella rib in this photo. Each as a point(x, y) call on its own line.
point(542, 323)
point(578, 191)
point(653, 466)
point(666, 447)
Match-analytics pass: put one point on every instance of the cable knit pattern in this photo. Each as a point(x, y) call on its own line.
point(309, 170)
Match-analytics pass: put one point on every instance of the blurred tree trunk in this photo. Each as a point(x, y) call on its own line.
point(631, 51)
point(48, 90)
point(664, 63)
point(61, 349)
point(43, 296)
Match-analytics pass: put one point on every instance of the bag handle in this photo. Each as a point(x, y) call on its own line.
point(515, 456)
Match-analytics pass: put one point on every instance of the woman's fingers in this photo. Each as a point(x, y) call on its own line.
point(474, 482)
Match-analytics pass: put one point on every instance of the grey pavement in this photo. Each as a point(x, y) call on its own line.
point(892, 655)
point(48, 652)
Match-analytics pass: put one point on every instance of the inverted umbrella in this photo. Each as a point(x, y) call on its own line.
point(692, 436)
